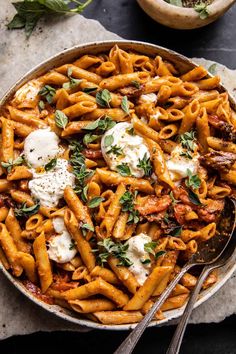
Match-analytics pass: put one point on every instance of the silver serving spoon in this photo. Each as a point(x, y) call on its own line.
point(176, 342)
point(208, 252)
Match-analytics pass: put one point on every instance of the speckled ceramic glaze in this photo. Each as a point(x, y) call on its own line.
point(183, 64)
point(183, 17)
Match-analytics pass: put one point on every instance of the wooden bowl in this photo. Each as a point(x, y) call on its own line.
point(183, 17)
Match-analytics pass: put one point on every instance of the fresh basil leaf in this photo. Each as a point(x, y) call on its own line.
point(124, 170)
point(174, 201)
point(101, 125)
point(84, 194)
point(48, 92)
point(116, 249)
point(116, 150)
point(109, 139)
point(212, 69)
point(72, 245)
point(61, 119)
point(89, 89)
point(16, 23)
point(103, 98)
point(131, 131)
point(89, 138)
point(202, 9)
point(193, 197)
point(41, 105)
point(145, 261)
point(176, 231)
point(150, 247)
point(159, 254)
point(11, 163)
point(94, 202)
point(30, 11)
point(92, 126)
point(25, 211)
point(50, 165)
point(193, 181)
point(136, 84)
point(145, 164)
point(125, 104)
point(85, 228)
point(175, 2)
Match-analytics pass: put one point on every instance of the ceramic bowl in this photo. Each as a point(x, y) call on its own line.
point(183, 64)
point(183, 17)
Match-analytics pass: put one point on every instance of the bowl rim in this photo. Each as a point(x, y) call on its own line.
point(215, 7)
point(35, 72)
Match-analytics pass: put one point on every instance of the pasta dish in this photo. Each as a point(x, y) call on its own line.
point(113, 169)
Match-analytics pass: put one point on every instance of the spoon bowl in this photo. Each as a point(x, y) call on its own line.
point(208, 253)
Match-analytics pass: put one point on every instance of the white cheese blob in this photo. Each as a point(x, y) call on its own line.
point(136, 253)
point(59, 225)
point(148, 98)
point(61, 248)
point(28, 92)
point(132, 149)
point(48, 187)
point(40, 147)
point(178, 165)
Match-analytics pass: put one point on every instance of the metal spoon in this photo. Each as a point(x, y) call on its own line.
point(207, 254)
point(176, 342)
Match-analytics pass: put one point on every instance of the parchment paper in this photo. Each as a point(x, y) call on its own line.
point(18, 55)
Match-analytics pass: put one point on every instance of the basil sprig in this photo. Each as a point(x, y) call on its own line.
point(30, 11)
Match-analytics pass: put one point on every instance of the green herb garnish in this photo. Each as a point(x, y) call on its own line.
point(193, 181)
point(145, 164)
point(109, 139)
point(116, 150)
point(193, 197)
point(176, 231)
point(61, 119)
point(187, 141)
point(175, 2)
point(125, 104)
point(159, 254)
point(85, 228)
point(150, 247)
point(90, 138)
point(77, 161)
point(30, 11)
point(103, 98)
point(89, 89)
point(145, 261)
point(48, 92)
point(124, 170)
point(101, 125)
point(136, 84)
point(72, 245)
point(212, 69)
point(25, 211)
point(94, 202)
point(72, 81)
point(11, 163)
point(127, 201)
point(202, 9)
point(116, 249)
point(174, 201)
point(50, 165)
point(41, 105)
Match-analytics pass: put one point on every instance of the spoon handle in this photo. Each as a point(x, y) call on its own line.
point(130, 342)
point(176, 341)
